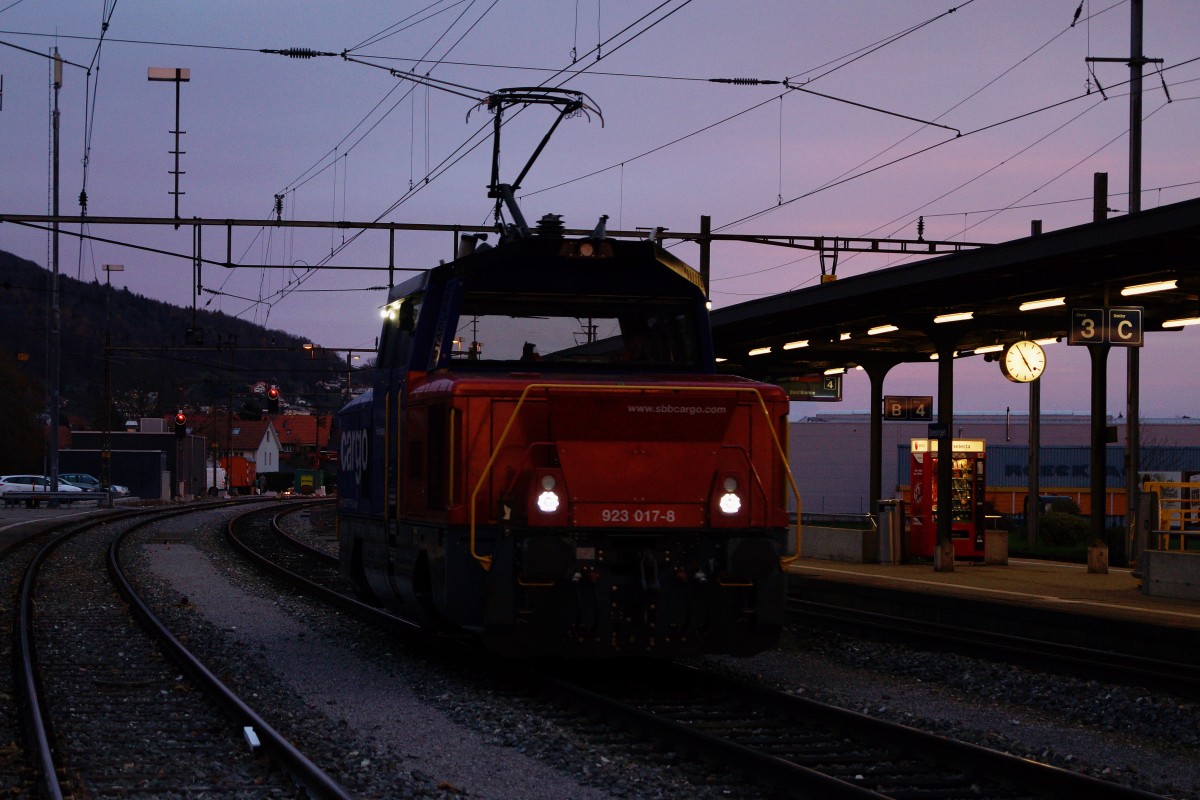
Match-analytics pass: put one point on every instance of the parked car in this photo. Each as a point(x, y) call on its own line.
point(32, 483)
point(90, 483)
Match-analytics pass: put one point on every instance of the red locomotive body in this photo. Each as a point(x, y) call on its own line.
point(602, 493)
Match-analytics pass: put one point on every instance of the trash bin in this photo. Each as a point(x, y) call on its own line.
point(891, 516)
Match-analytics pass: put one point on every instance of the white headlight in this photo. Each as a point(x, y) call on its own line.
point(730, 503)
point(547, 502)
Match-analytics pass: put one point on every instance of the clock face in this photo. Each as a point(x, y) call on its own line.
point(1023, 361)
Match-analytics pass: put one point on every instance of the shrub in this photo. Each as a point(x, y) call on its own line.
point(1064, 505)
point(1062, 529)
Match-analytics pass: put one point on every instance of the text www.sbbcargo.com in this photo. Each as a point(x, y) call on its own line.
point(667, 408)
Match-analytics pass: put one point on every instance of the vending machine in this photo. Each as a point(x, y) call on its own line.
point(968, 482)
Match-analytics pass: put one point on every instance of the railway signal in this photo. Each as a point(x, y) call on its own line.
point(273, 400)
point(180, 425)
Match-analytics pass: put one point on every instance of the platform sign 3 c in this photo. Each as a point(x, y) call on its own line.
point(1120, 326)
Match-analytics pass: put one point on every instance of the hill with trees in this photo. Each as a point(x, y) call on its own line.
point(163, 357)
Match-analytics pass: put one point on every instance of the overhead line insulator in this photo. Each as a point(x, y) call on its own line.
point(298, 52)
point(745, 81)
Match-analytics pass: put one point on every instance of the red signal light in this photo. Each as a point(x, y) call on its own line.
point(180, 418)
point(272, 393)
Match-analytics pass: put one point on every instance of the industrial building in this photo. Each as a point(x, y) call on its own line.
point(838, 481)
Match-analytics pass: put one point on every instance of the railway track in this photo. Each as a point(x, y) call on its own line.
point(116, 705)
point(1181, 678)
point(259, 537)
point(794, 745)
point(798, 747)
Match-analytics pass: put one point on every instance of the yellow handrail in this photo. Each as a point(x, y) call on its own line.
point(486, 561)
point(1177, 512)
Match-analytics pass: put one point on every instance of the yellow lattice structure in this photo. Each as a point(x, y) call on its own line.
point(1178, 514)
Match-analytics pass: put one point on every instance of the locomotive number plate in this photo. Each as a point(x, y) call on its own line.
point(637, 515)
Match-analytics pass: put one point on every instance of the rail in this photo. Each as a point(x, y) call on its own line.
point(485, 561)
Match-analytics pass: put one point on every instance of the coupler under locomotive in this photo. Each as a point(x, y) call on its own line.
point(593, 596)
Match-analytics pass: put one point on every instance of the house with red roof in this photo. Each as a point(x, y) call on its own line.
point(302, 433)
point(257, 441)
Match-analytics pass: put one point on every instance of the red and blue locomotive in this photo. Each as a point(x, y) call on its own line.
point(548, 458)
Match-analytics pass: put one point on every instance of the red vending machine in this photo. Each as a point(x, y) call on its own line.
point(968, 482)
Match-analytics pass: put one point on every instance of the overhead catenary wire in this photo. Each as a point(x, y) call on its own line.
point(478, 139)
point(91, 103)
point(594, 71)
point(909, 215)
point(415, 80)
point(965, 134)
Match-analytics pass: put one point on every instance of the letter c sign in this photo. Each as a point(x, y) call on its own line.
point(1125, 327)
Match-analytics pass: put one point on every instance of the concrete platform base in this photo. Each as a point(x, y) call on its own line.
point(1168, 573)
point(840, 544)
point(943, 557)
point(995, 547)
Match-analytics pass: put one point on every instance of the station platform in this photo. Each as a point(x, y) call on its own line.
point(1041, 584)
point(1026, 598)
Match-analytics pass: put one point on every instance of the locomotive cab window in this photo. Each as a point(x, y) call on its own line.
point(561, 332)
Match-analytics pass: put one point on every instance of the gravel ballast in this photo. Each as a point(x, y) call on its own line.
point(396, 726)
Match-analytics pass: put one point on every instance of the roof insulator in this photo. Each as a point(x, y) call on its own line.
point(550, 226)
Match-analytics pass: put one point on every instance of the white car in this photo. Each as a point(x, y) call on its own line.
point(32, 483)
point(90, 483)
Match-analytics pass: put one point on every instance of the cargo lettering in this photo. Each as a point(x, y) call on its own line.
point(355, 453)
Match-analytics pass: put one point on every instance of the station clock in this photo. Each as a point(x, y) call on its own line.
point(1023, 361)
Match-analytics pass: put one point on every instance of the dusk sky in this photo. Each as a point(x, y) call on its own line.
point(980, 120)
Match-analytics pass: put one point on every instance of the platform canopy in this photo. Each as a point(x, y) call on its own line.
point(1088, 266)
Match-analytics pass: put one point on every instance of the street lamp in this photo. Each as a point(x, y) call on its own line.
point(178, 77)
point(106, 439)
point(351, 357)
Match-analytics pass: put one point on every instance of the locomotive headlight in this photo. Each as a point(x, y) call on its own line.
point(730, 503)
point(547, 502)
point(547, 494)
